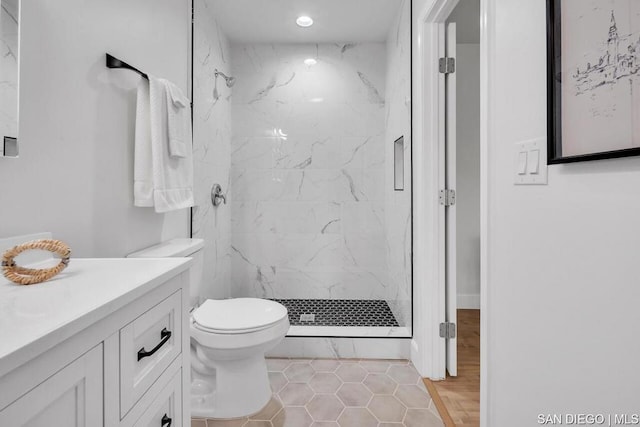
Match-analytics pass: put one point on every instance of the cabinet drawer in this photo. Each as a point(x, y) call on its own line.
point(147, 347)
point(166, 409)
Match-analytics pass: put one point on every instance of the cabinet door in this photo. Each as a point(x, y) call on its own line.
point(72, 397)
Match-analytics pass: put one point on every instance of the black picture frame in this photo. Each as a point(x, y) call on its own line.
point(554, 97)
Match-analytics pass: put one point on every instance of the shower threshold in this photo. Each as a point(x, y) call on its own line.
point(342, 318)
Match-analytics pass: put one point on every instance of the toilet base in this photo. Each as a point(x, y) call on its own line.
point(246, 389)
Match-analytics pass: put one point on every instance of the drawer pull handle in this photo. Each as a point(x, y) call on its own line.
point(166, 421)
point(165, 335)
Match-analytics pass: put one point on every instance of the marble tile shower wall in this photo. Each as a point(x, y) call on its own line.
point(308, 171)
point(397, 204)
point(212, 148)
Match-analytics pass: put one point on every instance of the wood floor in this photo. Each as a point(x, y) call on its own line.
point(458, 398)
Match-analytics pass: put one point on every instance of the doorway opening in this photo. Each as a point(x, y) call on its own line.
point(460, 178)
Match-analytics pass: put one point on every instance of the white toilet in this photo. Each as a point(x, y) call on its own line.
point(228, 341)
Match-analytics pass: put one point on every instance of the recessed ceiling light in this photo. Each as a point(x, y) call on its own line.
point(304, 21)
point(310, 61)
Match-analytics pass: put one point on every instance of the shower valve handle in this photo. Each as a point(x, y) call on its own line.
point(217, 196)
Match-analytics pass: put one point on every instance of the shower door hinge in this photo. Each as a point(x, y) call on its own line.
point(447, 65)
point(447, 330)
point(447, 197)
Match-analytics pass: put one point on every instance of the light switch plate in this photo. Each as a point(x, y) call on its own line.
point(536, 162)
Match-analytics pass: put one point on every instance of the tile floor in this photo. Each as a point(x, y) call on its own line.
point(341, 393)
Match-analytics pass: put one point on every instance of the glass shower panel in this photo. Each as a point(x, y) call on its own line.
point(316, 222)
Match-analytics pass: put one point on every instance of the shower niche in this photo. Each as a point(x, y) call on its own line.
point(300, 124)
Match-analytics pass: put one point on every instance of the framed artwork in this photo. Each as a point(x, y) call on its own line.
point(593, 78)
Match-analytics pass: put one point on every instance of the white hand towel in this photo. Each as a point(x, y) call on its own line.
point(172, 176)
point(143, 170)
point(178, 120)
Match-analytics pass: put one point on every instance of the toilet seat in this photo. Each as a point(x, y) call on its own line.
point(237, 315)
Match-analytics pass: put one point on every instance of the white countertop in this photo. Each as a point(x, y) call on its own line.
point(35, 318)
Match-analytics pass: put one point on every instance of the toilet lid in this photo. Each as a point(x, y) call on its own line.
point(237, 315)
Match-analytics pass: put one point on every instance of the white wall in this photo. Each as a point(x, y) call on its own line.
point(468, 174)
point(423, 336)
point(212, 148)
point(467, 15)
point(75, 171)
point(562, 293)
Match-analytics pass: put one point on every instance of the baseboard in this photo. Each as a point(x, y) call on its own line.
point(469, 301)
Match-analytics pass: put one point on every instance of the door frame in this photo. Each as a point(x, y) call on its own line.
point(449, 243)
point(428, 350)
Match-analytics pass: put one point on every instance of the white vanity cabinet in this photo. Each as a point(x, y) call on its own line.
point(106, 344)
point(71, 397)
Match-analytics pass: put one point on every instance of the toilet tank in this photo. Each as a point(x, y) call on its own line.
point(181, 248)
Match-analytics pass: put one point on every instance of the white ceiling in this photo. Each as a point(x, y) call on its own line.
point(466, 15)
point(273, 21)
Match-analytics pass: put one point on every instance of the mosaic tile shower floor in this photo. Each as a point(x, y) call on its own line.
point(343, 312)
point(341, 393)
